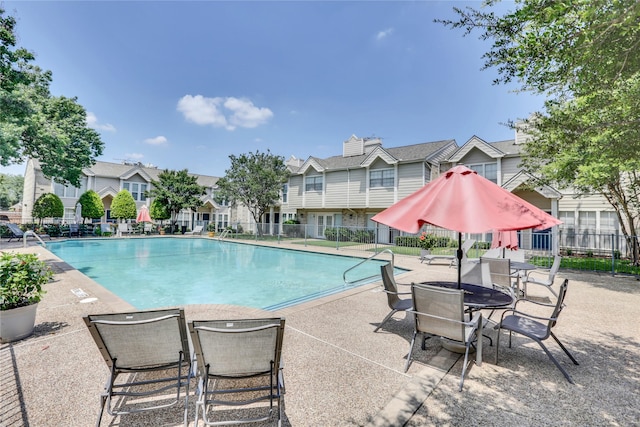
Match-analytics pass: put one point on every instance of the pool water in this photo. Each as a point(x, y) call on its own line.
point(158, 272)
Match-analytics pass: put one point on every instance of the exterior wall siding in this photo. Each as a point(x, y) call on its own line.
point(357, 189)
point(337, 189)
point(410, 179)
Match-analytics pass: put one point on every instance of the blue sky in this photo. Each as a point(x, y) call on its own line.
point(186, 84)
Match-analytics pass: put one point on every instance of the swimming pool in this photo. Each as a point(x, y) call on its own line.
point(158, 272)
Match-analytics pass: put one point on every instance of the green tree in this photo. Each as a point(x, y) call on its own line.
point(92, 206)
point(34, 124)
point(48, 205)
point(177, 190)
point(11, 187)
point(583, 56)
point(255, 180)
point(158, 212)
point(123, 206)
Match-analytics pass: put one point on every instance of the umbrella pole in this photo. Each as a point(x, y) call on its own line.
point(459, 256)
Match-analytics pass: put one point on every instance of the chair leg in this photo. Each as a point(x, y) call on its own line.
point(555, 362)
point(575, 362)
point(464, 366)
point(103, 401)
point(413, 340)
point(385, 320)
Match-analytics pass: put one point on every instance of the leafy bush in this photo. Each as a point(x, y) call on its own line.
point(48, 205)
point(21, 280)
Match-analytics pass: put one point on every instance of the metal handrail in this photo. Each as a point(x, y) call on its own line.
point(31, 233)
point(344, 275)
point(223, 234)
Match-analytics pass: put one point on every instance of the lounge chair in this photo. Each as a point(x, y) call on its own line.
point(440, 312)
point(196, 230)
point(391, 289)
point(239, 364)
point(17, 233)
point(453, 259)
point(123, 228)
point(536, 327)
point(153, 347)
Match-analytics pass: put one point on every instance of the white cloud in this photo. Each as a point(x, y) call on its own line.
point(229, 112)
point(158, 140)
point(92, 122)
point(135, 156)
point(384, 34)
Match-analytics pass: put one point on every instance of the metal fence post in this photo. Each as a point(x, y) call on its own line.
point(613, 254)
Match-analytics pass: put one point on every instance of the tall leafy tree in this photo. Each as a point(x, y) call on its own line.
point(92, 206)
point(158, 211)
point(583, 56)
point(11, 187)
point(48, 205)
point(255, 180)
point(177, 190)
point(34, 124)
point(123, 206)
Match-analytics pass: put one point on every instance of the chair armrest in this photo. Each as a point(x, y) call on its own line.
point(396, 293)
point(543, 304)
point(530, 316)
point(541, 271)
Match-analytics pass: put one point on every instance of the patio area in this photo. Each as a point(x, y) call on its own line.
point(338, 372)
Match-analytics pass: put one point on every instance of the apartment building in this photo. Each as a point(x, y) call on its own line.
point(349, 189)
point(107, 179)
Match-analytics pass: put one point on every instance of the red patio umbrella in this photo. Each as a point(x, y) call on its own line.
point(463, 201)
point(143, 214)
point(505, 239)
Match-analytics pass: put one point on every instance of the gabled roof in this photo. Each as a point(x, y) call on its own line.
point(107, 191)
point(490, 150)
point(311, 162)
point(405, 154)
point(524, 178)
point(136, 170)
point(378, 153)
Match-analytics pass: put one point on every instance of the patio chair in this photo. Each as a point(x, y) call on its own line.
point(391, 289)
point(239, 364)
point(537, 328)
point(153, 347)
point(196, 230)
point(500, 272)
point(17, 233)
point(440, 312)
point(545, 281)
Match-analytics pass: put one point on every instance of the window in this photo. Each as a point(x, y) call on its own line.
point(382, 178)
point(285, 193)
point(608, 222)
point(313, 183)
point(223, 221)
point(487, 170)
point(136, 189)
point(587, 221)
point(70, 191)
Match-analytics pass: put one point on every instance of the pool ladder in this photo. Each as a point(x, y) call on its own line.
point(223, 234)
point(344, 275)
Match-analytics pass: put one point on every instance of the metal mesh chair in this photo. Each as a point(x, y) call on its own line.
point(440, 312)
point(151, 345)
point(537, 328)
point(391, 289)
point(546, 281)
point(239, 364)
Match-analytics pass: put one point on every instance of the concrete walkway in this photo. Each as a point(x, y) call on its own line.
point(338, 372)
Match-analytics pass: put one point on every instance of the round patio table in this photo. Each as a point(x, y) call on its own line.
point(478, 297)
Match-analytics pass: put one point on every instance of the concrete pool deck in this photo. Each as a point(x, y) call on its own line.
point(338, 372)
